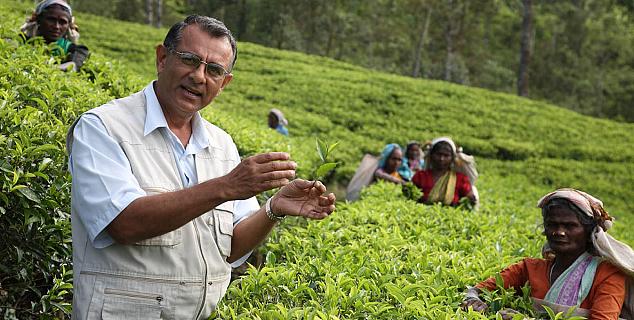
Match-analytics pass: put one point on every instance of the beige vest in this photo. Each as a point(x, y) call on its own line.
point(179, 275)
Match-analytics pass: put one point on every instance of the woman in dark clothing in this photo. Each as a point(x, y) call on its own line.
point(53, 20)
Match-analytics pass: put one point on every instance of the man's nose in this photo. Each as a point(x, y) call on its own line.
point(198, 74)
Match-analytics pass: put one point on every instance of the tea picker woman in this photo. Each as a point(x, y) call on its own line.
point(277, 121)
point(412, 161)
point(389, 166)
point(440, 181)
point(589, 269)
point(53, 20)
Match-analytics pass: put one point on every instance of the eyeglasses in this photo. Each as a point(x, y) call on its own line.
point(213, 70)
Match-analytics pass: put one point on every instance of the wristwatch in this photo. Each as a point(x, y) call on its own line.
point(270, 214)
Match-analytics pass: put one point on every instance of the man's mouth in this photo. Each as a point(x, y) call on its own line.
point(192, 92)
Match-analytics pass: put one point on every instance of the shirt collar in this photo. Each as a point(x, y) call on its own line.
point(155, 119)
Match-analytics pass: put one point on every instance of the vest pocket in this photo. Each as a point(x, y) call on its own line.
point(171, 238)
point(126, 304)
point(223, 227)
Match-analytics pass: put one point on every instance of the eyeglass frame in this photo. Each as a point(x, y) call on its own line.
point(200, 61)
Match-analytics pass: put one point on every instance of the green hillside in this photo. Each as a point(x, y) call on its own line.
point(381, 257)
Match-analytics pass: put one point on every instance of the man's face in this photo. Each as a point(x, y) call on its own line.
point(53, 23)
point(183, 89)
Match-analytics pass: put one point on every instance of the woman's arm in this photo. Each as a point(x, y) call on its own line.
point(78, 54)
point(609, 295)
point(381, 174)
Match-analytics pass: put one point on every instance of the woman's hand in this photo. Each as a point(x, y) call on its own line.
point(475, 303)
point(507, 314)
point(303, 198)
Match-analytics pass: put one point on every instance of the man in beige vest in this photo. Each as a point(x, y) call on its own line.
point(161, 202)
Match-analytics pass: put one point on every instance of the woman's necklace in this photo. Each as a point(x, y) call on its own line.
point(550, 273)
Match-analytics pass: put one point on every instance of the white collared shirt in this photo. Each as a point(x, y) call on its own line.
point(103, 183)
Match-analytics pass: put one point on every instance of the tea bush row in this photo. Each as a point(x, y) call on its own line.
point(37, 104)
point(382, 257)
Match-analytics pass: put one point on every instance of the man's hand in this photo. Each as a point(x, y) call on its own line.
point(259, 173)
point(303, 198)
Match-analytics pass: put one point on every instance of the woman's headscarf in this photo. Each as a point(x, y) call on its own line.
point(47, 3)
point(612, 250)
point(280, 116)
point(29, 28)
point(387, 151)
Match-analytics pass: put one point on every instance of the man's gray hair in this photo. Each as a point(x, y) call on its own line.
point(213, 27)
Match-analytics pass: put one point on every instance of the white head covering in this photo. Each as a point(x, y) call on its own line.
point(280, 116)
point(47, 3)
point(447, 140)
point(614, 251)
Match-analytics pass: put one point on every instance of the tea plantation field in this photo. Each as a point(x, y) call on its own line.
point(382, 257)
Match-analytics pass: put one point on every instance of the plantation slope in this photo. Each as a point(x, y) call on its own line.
point(382, 257)
point(363, 110)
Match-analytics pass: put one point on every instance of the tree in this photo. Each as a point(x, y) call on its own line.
point(526, 48)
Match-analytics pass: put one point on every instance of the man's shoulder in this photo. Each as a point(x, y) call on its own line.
point(133, 101)
point(215, 132)
point(220, 142)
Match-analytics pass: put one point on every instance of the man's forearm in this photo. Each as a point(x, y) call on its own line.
point(154, 215)
point(249, 233)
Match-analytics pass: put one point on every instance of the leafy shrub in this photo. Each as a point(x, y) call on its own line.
point(37, 105)
point(380, 257)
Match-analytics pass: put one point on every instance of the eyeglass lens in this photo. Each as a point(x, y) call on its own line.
point(190, 59)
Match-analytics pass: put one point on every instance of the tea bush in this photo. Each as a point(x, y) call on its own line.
point(37, 105)
point(381, 257)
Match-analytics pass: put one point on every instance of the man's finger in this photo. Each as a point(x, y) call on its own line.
point(302, 184)
point(278, 166)
point(273, 184)
point(327, 200)
point(270, 156)
point(278, 175)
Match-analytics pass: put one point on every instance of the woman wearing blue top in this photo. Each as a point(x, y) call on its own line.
point(412, 161)
point(389, 166)
point(278, 122)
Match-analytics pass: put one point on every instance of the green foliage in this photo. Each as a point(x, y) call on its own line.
point(37, 105)
point(381, 257)
point(562, 315)
point(324, 150)
point(582, 51)
point(411, 191)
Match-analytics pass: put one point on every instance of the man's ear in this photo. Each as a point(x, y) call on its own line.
point(161, 58)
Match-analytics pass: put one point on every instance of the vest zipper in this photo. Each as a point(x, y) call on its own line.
point(202, 254)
